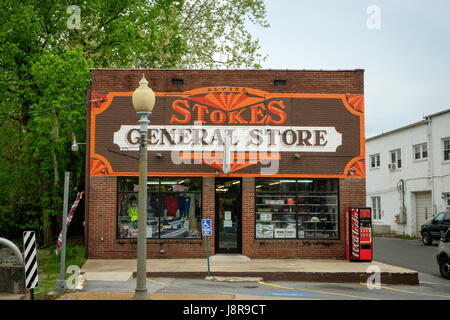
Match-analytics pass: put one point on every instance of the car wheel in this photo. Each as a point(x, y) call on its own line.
point(426, 238)
point(444, 268)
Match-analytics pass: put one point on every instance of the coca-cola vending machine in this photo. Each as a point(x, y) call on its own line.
point(359, 244)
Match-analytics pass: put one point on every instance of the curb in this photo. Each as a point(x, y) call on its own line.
point(410, 278)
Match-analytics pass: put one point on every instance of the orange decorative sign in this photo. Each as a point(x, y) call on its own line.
point(295, 134)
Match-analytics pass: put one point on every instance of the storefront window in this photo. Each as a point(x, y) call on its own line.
point(180, 215)
point(297, 208)
point(276, 185)
point(173, 208)
point(181, 184)
point(275, 216)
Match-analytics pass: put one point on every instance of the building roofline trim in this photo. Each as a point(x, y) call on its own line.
point(415, 124)
point(437, 113)
point(278, 70)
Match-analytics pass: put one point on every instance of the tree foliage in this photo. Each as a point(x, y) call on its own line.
point(46, 50)
point(215, 34)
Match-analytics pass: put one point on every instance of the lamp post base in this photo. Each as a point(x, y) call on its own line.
point(140, 294)
point(61, 285)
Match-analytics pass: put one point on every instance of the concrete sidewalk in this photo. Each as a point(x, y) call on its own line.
point(310, 270)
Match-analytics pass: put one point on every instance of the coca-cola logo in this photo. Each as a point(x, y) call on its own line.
point(355, 233)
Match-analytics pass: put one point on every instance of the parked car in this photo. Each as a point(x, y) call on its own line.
point(443, 257)
point(432, 230)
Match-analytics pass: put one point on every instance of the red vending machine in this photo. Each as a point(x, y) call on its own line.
point(359, 245)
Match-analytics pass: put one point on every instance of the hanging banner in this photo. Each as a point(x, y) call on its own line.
point(69, 219)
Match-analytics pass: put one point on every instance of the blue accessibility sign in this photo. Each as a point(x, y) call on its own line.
point(206, 227)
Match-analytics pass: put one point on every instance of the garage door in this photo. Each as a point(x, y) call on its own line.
point(423, 209)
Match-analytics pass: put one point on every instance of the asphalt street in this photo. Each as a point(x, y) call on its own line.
point(411, 254)
point(278, 290)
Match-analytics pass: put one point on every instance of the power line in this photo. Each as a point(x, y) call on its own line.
point(53, 108)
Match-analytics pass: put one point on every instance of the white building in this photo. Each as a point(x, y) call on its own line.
point(408, 174)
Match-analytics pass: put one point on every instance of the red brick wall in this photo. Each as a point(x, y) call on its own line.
point(297, 111)
point(101, 212)
point(298, 81)
point(103, 215)
point(102, 208)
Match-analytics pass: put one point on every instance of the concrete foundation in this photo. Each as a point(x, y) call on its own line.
point(12, 279)
point(381, 228)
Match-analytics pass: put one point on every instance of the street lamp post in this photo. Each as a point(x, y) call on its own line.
point(143, 102)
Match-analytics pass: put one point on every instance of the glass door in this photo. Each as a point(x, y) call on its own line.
point(228, 216)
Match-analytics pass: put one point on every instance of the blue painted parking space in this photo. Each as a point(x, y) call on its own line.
point(286, 294)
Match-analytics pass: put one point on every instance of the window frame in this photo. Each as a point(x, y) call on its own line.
point(160, 196)
point(298, 194)
point(421, 151)
point(398, 158)
point(377, 160)
point(444, 150)
point(376, 209)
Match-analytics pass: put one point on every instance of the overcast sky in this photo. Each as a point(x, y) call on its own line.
point(406, 60)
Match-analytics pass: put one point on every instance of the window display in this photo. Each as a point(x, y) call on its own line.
point(179, 219)
point(317, 216)
point(173, 208)
point(275, 216)
point(297, 208)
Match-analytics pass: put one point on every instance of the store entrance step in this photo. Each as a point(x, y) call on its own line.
point(229, 258)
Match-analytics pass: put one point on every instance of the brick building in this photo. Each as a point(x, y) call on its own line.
point(273, 157)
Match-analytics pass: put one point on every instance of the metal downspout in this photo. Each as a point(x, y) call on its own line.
point(430, 162)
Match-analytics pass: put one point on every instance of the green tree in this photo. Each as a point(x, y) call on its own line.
point(46, 50)
point(215, 33)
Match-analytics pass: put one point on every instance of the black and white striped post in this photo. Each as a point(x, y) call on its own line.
point(31, 269)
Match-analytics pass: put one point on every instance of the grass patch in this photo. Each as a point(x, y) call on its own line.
point(49, 265)
point(407, 237)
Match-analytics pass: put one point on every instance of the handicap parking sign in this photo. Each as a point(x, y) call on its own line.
point(206, 227)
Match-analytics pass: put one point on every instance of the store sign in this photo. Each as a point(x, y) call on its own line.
point(228, 106)
point(211, 138)
point(197, 131)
